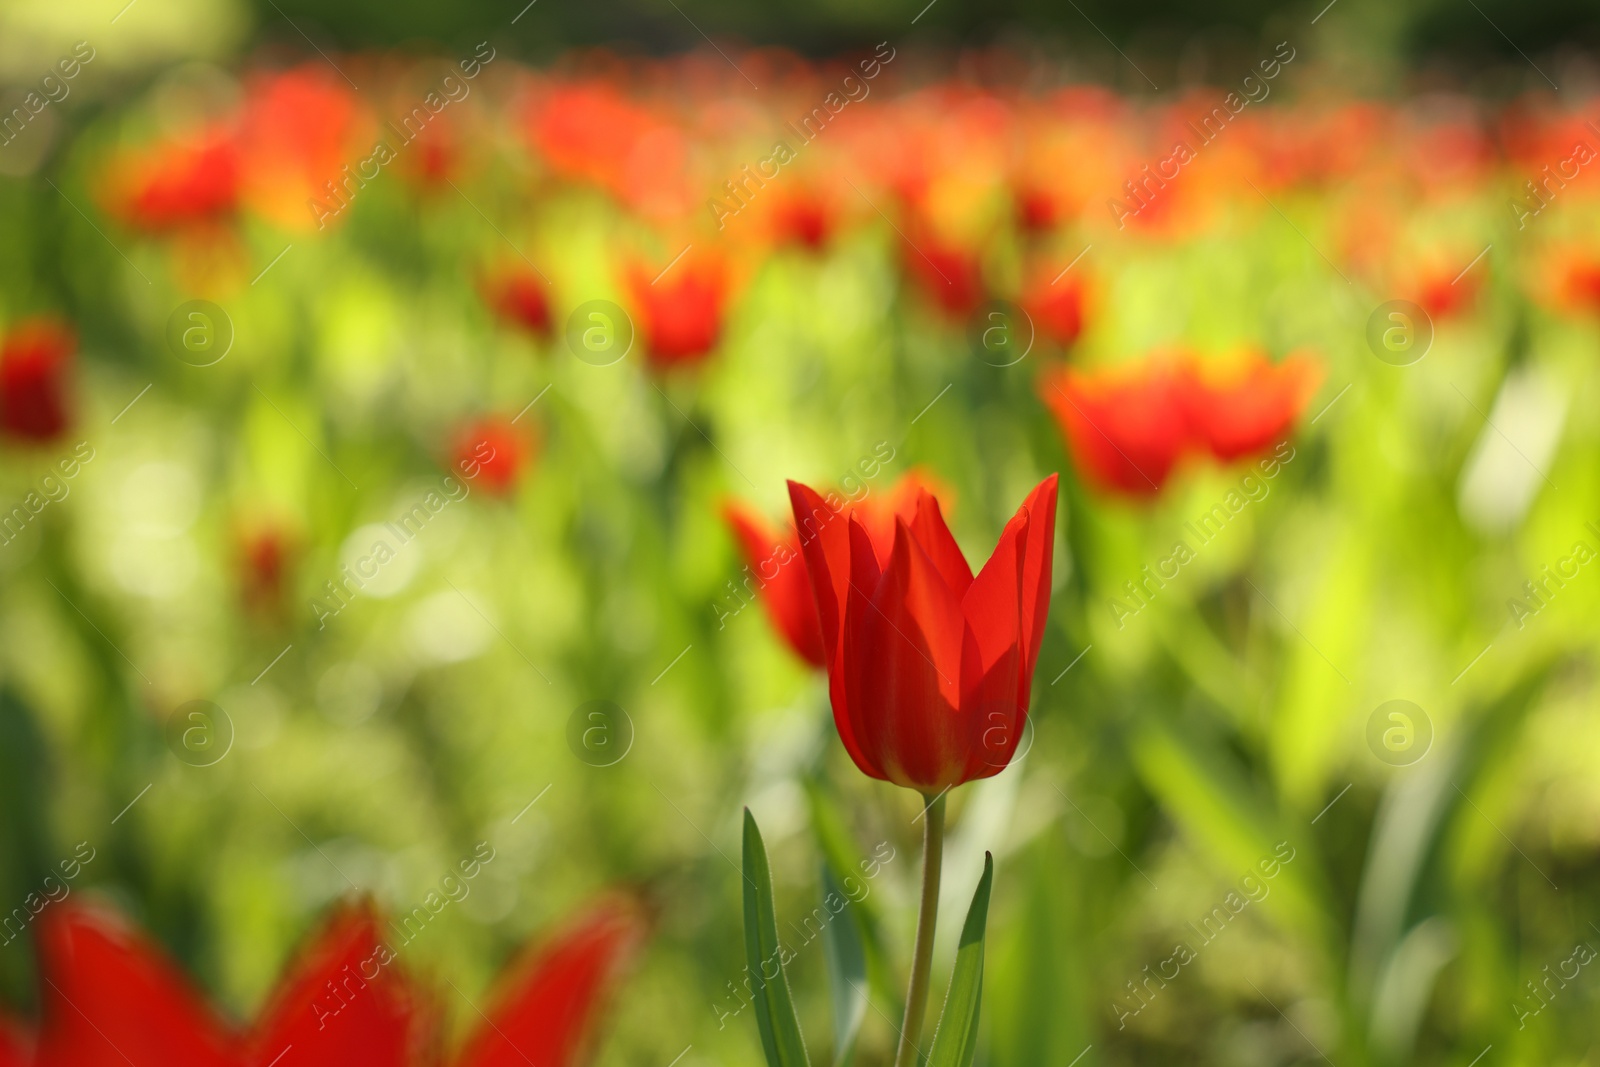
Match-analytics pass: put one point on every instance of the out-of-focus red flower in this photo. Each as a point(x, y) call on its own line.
point(679, 314)
point(434, 155)
point(584, 131)
point(495, 451)
point(343, 1000)
point(1129, 427)
point(1038, 208)
point(592, 132)
point(264, 551)
point(777, 563)
point(1056, 303)
point(109, 996)
point(1571, 276)
point(1443, 297)
point(16, 1043)
point(947, 273)
point(929, 668)
point(521, 297)
point(549, 1002)
point(1126, 427)
point(300, 129)
point(179, 183)
point(34, 361)
point(803, 217)
point(1583, 284)
point(1248, 409)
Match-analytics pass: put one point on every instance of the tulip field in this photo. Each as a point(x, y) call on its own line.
point(908, 555)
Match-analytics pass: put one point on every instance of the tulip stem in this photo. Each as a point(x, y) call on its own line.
point(927, 916)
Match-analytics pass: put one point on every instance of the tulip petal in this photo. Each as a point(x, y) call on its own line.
point(902, 667)
point(16, 1044)
point(1038, 558)
point(991, 653)
point(856, 720)
point(108, 996)
point(785, 586)
point(343, 1001)
point(928, 527)
point(825, 543)
point(550, 1001)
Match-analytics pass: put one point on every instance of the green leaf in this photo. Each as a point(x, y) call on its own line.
point(847, 968)
point(956, 1039)
point(780, 1030)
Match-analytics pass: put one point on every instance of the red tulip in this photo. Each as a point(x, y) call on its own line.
point(494, 450)
point(344, 1000)
point(16, 1043)
point(33, 368)
point(1581, 284)
point(1037, 208)
point(947, 273)
point(264, 552)
point(929, 668)
point(778, 566)
point(521, 297)
point(1568, 278)
point(548, 1004)
point(1126, 429)
point(1252, 408)
point(304, 134)
point(679, 313)
point(109, 996)
point(1055, 302)
point(179, 183)
point(803, 217)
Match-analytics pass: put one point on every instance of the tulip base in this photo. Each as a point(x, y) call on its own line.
point(927, 915)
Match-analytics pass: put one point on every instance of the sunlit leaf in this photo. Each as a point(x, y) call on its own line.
point(780, 1029)
point(956, 1039)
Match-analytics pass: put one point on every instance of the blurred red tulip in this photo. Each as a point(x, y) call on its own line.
point(108, 996)
point(434, 156)
point(111, 997)
point(302, 131)
point(929, 668)
point(585, 131)
point(679, 313)
point(1126, 428)
point(343, 1000)
point(548, 1004)
point(1441, 297)
point(521, 297)
point(263, 563)
point(34, 360)
point(948, 274)
point(179, 183)
point(776, 561)
point(1249, 409)
point(16, 1043)
point(1038, 211)
point(495, 451)
point(1572, 277)
point(802, 217)
point(1056, 303)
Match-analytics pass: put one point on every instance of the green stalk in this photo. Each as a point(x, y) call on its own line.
point(927, 916)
